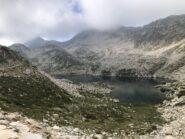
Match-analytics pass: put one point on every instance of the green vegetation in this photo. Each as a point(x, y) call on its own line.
point(32, 95)
point(38, 98)
point(103, 114)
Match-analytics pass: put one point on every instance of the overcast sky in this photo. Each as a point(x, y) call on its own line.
point(22, 20)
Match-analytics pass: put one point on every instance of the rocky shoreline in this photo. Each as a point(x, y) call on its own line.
point(173, 111)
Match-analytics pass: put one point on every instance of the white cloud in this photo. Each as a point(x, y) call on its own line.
point(21, 20)
point(6, 42)
point(103, 14)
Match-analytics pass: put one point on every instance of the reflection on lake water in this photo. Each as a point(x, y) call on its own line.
point(128, 90)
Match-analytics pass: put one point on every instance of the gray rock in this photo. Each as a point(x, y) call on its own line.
point(30, 136)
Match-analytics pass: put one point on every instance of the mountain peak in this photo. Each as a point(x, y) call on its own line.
point(38, 38)
point(35, 42)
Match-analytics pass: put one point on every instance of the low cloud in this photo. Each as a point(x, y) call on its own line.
point(21, 20)
point(105, 14)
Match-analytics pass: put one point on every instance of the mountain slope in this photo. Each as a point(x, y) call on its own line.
point(167, 31)
point(50, 58)
point(147, 51)
point(11, 63)
point(24, 89)
point(21, 49)
point(55, 60)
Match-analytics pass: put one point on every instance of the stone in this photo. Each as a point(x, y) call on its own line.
point(28, 71)
point(2, 127)
point(20, 127)
point(76, 130)
point(56, 128)
point(13, 116)
point(30, 135)
point(55, 115)
point(169, 137)
point(168, 130)
point(8, 134)
point(4, 122)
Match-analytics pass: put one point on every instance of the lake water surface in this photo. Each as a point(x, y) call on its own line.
point(127, 91)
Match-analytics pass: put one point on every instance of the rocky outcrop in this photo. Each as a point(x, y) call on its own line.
point(16, 126)
point(173, 111)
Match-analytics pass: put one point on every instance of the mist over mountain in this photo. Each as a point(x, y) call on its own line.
point(152, 50)
point(36, 42)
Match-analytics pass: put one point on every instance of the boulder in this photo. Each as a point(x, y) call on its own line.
point(30, 135)
point(8, 134)
point(20, 127)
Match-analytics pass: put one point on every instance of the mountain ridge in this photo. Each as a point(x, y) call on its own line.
point(165, 22)
point(150, 50)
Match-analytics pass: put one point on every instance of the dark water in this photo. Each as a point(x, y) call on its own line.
point(128, 90)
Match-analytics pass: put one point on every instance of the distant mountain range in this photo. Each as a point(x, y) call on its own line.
point(39, 42)
point(156, 49)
